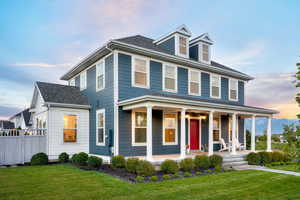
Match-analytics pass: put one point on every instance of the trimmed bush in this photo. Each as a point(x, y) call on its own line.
point(81, 159)
point(140, 179)
point(63, 157)
point(209, 171)
point(187, 174)
point(198, 173)
point(74, 158)
point(145, 168)
point(253, 158)
point(177, 175)
point(215, 160)
point(166, 177)
point(169, 167)
point(277, 156)
point(218, 168)
point(265, 157)
point(202, 162)
point(118, 161)
point(154, 178)
point(187, 164)
point(39, 159)
point(94, 162)
point(286, 157)
point(131, 164)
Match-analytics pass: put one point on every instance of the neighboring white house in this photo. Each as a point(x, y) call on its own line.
point(22, 119)
point(4, 124)
point(64, 112)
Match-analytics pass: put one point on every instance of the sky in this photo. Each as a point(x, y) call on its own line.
point(42, 40)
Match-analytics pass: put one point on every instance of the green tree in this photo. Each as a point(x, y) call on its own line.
point(248, 139)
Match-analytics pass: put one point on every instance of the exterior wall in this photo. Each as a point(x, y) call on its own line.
point(56, 143)
point(40, 111)
point(169, 45)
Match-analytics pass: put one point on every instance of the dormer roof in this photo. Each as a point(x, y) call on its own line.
point(182, 29)
point(203, 37)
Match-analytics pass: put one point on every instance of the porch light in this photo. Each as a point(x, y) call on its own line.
point(203, 117)
point(187, 116)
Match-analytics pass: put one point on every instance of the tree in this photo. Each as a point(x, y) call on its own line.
point(298, 86)
point(248, 139)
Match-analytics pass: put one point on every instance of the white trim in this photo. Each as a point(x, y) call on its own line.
point(72, 82)
point(116, 106)
point(200, 53)
point(176, 129)
point(189, 82)
point(163, 77)
point(210, 79)
point(83, 84)
point(177, 30)
point(133, 143)
point(220, 129)
point(237, 89)
point(100, 111)
point(97, 72)
point(133, 84)
point(202, 38)
point(177, 46)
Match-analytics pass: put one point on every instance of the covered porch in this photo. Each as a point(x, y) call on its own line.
point(195, 127)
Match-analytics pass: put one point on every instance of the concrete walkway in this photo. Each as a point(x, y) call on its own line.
point(246, 167)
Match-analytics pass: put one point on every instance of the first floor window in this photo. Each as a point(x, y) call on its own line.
point(170, 78)
point(233, 87)
point(101, 127)
point(170, 128)
point(70, 128)
point(140, 72)
point(215, 86)
point(216, 129)
point(140, 128)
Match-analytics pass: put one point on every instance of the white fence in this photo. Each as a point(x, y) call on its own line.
point(18, 146)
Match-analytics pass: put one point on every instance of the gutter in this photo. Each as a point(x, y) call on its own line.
point(78, 106)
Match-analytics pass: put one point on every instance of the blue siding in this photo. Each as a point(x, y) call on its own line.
point(205, 85)
point(194, 52)
point(204, 133)
point(224, 89)
point(224, 128)
point(77, 81)
point(169, 45)
point(241, 89)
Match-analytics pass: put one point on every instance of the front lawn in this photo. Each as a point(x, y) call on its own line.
point(294, 168)
point(68, 182)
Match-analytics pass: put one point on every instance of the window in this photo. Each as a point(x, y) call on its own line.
point(70, 128)
point(83, 80)
point(72, 82)
point(182, 46)
point(170, 129)
point(100, 127)
point(194, 82)
point(233, 88)
point(100, 75)
point(215, 89)
point(140, 76)
point(205, 52)
point(170, 78)
point(139, 128)
point(216, 129)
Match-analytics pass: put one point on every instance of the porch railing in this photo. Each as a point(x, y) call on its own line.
point(22, 132)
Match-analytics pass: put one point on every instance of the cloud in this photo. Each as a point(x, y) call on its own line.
point(47, 65)
point(8, 111)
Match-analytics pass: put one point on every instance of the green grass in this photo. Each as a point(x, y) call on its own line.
point(294, 168)
point(67, 182)
point(262, 145)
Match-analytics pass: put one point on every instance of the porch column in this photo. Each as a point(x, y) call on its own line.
point(233, 139)
point(210, 133)
point(269, 134)
point(182, 135)
point(149, 133)
point(253, 134)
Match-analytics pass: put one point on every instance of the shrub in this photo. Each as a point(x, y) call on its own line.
point(140, 179)
point(74, 158)
point(169, 167)
point(131, 164)
point(215, 160)
point(63, 157)
point(202, 162)
point(118, 161)
point(286, 157)
point(265, 157)
point(187, 174)
point(154, 178)
point(177, 175)
point(187, 164)
point(253, 158)
point(39, 159)
point(145, 168)
point(94, 162)
point(218, 168)
point(81, 159)
point(198, 173)
point(277, 156)
point(209, 171)
point(166, 177)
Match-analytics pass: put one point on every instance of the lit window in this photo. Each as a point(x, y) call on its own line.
point(139, 128)
point(233, 88)
point(70, 128)
point(194, 85)
point(170, 129)
point(170, 78)
point(216, 129)
point(72, 82)
point(140, 72)
point(215, 86)
point(182, 45)
point(83, 80)
point(205, 52)
point(100, 75)
point(100, 137)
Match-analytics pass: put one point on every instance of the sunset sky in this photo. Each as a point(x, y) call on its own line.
point(41, 40)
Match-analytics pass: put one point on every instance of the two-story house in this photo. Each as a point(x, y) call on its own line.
point(136, 96)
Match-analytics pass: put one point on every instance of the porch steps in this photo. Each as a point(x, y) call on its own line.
point(231, 161)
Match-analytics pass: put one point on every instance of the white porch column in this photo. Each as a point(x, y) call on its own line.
point(149, 133)
point(253, 134)
point(182, 135)
point(269, 134)
point(210, 133)
point(233, 139)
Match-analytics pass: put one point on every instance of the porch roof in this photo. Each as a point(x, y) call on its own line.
point(162, 100)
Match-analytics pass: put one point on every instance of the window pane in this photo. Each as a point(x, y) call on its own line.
point(70, 121)
point(140, 65)
point(205, 52)
point(233, 94)
point(100, 82)
point(170, 71)
point(140, 135)
point(182, 45)
point(70, 135)
point(140, 119)
point(100, 68)
point(100, 120)
point(170, 135)
point(100, 135)
point(140, 78)
point(215, 81)
point(216, 135)
point(216, 124)
point(194, 87)
point(194, 76)
point(215, 91)
point(170, 83)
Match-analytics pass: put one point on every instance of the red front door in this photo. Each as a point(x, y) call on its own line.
point(194, 134)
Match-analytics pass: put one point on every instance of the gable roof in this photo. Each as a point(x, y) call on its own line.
point(61, 94)
point(6, 124)
point(183, 29)
point(203, 37)
point(26, 116)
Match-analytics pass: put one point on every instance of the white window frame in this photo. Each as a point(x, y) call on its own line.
point(237, 89)
point(219, 77)
point(189, 81)
point(177, 46)
point(77, 129)
point(133, 143)
point(176, 78)
point(100, 111)
point(72, 82)
point(200, 50)
point(97, 74)
point(176, 129)
point(83, 83)
point(133, 70)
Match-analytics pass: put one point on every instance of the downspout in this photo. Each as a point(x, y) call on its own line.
point(47, 134)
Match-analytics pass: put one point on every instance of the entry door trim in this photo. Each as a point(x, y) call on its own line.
point(189, 132)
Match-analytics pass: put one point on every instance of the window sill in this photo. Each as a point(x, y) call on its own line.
point(169, 90)
point(98, 90)
point(170, 144)
point(139, 144)
point(141, 86)
point(194, 94)
point(100, 144)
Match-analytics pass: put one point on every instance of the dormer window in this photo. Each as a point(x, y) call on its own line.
point(205, 52)
point(183, 45)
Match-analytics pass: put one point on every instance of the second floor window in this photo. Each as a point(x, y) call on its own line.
point(215, 86)
point(72, 82)
point(233, 88)
point(140, 76)
point(194, 82)
point(170, 78)
point(182, 46)
point(100, 75)
point(83, 80)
